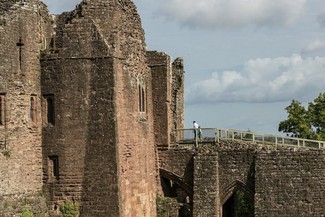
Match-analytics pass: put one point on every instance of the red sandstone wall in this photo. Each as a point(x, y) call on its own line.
point(104, 143)
point(23, 23)
point(134, 127)
point(160, 65)
point(80, 75)
point(177, 106)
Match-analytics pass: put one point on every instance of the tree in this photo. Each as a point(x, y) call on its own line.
point(307, 124)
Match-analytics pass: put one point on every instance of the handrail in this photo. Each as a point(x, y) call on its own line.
point(187, 136)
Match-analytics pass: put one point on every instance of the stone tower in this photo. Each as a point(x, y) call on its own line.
point(21, 29)
point(79, 116)
point(100, 143)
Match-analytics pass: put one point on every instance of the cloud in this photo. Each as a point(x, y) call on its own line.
point(321, 18)
point(314, 46)
point(233, 13)
point(263, 80)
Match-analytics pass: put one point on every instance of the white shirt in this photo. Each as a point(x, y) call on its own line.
point(195, 125)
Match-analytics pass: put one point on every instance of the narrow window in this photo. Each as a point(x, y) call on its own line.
point(140, 101)
point(50, 110)
point(54, 166)
point(143, 100)
point(32, 110)
point(2, 110)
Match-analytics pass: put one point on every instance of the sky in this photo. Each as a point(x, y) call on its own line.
point(245, 60)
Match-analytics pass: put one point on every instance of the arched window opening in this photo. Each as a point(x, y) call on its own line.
point(238, 205)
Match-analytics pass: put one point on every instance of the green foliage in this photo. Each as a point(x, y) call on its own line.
point(27, 201)
point(70, 209)
point(161, 204)
point(41, 192)
point(26, 213)
point(248, 136)
point(6, 153)
point(245, 206)
point(307, 124)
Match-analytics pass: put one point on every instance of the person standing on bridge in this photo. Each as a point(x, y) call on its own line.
point(200, 133)
point(196, 129)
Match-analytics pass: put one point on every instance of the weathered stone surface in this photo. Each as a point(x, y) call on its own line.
point(282, 181)
point(92, 136)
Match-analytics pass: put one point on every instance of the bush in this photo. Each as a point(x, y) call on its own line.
point(69, 209)
point(26, 213)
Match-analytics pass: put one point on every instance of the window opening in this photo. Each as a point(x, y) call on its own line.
point(20, 44)
point(2, 110)
point(50, 110)
point(140, 104)
point(54, 166)
point(32, 110)
point(143, 108)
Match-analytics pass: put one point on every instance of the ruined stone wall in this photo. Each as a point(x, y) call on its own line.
point(289, 182)
point(103, 140)
point(160, 65)
point(179, 161)
point(135, 118)
point(219, 171)
point(168, 96)
point(206, 184)
point(80, 77)
point(21, 28)
point(177, 106)
point(282, 181)
point(236, 163)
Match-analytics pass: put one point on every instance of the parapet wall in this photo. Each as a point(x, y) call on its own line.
point(282, 181)
point(289, 182)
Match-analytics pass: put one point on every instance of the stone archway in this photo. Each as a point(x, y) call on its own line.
point(228, 195)
point(175, 187)
point(178, 180)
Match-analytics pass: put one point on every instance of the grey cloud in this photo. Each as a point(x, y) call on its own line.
point(209, 14)
point(321, 18)
point(262, 80)
point(314, 46)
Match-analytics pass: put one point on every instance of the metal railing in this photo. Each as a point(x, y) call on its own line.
point(213, 135)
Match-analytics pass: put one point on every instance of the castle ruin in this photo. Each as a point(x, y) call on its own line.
point(87, 114)
point(84, 107)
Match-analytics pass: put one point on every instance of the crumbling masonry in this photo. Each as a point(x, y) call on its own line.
point(87, 115)
point(83, 105)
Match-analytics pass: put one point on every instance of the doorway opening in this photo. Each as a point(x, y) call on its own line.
point(238, 205)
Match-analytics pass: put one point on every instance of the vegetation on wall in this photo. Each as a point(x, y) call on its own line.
point(69, 209)
point(26, 213)
point(162, 206)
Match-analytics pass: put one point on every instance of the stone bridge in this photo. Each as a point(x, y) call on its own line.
point(283, 176)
